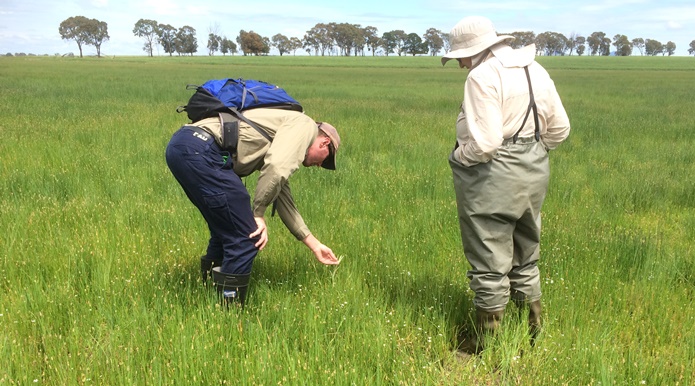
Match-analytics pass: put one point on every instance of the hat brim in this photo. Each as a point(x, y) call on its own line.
point(474, 50)
point(329, 162)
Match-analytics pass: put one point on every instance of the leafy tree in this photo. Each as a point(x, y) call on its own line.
point(393, 41)
point(148, 29)
point(348, 37)
point(311, 40)
point(639, 44)
point(388, 43)
point(433, 40)
point(691, 50)
point(521, 39)
point(580, 49)
point(571, 43)
point(214, 42)
point(653, 47)
point(186, 42)
point(552, 43)
point(282, 43)
point(227, 46)
point(166, 36)
point(266, 45)
point(669, 48)
point(623, 46)
point(295, 44)
point(599, 44)
point(413, 45)
point(580, 45)
point(319, 38)
point(447, 44)
point(371, 39)
point(75, 28)
point(98, 34)
point(251, 43)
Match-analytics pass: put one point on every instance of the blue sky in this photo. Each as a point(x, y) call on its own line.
point(31, 26)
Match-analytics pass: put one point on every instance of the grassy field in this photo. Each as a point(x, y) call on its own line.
point(99, 246)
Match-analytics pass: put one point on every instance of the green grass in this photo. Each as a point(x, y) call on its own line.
point(99, 245)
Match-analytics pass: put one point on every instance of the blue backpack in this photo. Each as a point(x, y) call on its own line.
point(234, 96)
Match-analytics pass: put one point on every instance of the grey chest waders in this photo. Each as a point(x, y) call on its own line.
point(231, 288)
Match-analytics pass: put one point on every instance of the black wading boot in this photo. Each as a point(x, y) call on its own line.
point(231, 287)
point(206, 265)
point(534, 320)
point(486, 323)
point(534, 317)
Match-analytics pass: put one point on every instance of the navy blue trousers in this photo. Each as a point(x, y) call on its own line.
point(205, 173)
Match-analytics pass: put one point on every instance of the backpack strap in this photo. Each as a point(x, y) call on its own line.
point(531, 105)
point(236, 113)
point(241, 117)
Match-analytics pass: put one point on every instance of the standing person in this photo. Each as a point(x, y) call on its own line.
point(211, 178)
point(501, 170)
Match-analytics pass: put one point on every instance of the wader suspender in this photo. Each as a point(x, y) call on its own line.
point(531, 105)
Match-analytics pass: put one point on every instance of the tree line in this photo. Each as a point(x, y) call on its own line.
point(349, 39)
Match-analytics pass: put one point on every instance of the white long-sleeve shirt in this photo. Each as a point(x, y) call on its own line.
point(496, 97)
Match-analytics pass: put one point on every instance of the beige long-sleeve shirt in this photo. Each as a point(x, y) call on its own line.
point(496, 97)
point(292, 134)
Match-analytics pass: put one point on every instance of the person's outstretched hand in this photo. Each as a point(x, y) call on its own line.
point(262, 232)
point(323, 254)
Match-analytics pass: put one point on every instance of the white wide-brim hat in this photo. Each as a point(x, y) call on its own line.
point(471, 36)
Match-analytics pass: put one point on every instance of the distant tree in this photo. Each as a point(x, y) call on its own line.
point(691, 50)
point(186, 42)
point(227, 46)
point(75, 28)
point(371, 39)
point(669, 48)
point(251, 43)
point(319, 38)
point(214, 39)
point(551, 43)
point(413, 45)
point(572, 43)
point(599, 44)
point(393, 41)
point(166, 36)
point(98, 34)
point(266, 45)
point(434, 41)
point(653, 47)
point(639, 44)
point(580, 45)
point(447, 44)
point(388, 43)
point(282, 43)
point(147, 29)
point(623, 46)
point(348, 37)
point(521, 39)
point(581, 49)
point(295, 44)
point(311, 41)
point(214, 42)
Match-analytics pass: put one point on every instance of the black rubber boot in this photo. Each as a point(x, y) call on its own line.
point(206, 265)
point(486, 323)
point(534, 320)
point(534, 317)
point(231, 287)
